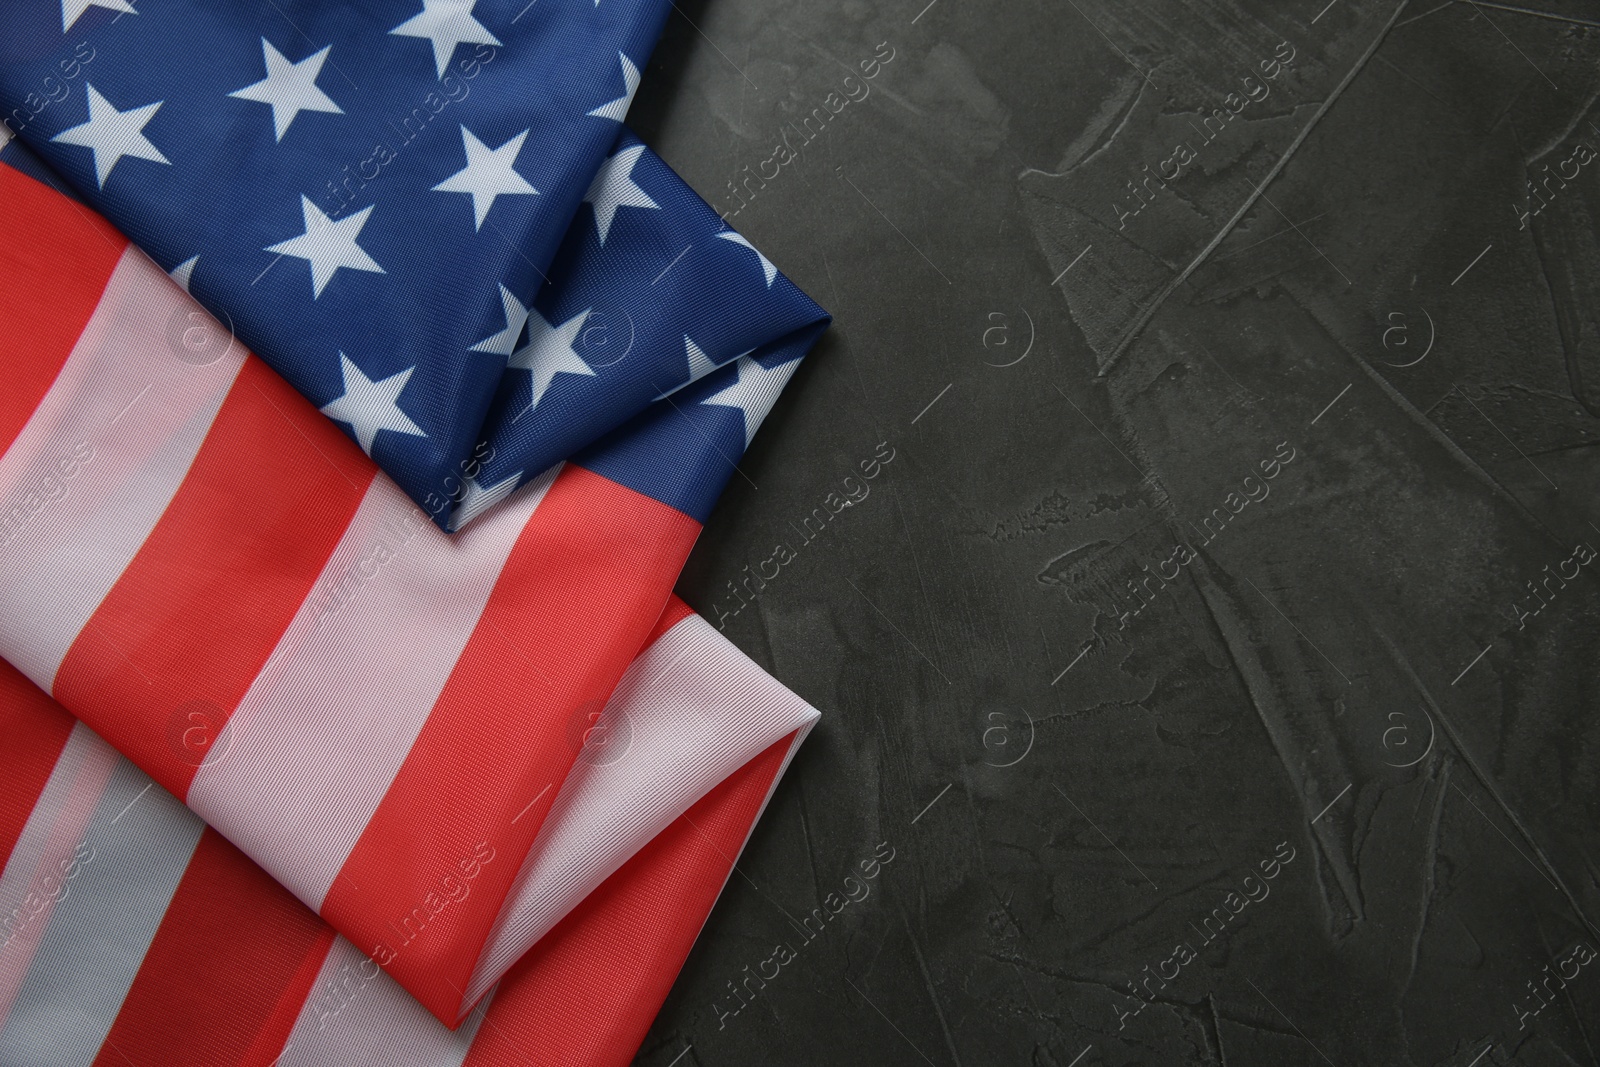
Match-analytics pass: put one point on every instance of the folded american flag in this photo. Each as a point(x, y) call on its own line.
point(131, 934)
point(370, 196)
point(640, 303)
point(214, 578)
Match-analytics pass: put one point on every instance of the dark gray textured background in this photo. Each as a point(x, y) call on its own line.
point(1364, 614)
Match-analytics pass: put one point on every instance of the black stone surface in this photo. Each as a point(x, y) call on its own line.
point(1320, 373)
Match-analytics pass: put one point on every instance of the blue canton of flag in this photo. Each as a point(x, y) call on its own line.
point(360, 191)
point(682, 450)
point(649, 293)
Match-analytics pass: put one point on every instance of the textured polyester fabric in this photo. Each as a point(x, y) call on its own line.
point(215, 579)
point(130, 933)
point(357, 180)
point(370, 196)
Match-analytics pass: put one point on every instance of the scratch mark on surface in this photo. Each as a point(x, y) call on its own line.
point(1257, 686)
point(927, 983)
point(805, 833)
point(1430, 864)
point(1171, 287)
point(1479, 8)
point(1139, 917)
point(1433, 430)
point(1552, 15)
point(1216, 1030)
point(1297, 630)
point(1431, 11)
point(1544, 865)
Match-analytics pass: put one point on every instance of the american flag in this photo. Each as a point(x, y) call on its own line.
point(371, 195)
point(213, 962)
point(216, 580)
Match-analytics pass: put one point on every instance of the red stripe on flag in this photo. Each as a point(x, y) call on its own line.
point(170, 1013)
point(35, 729)
point(588, 991)
point(268, 1047)
point(174, 646)
point(55, 259)
point(582, 588)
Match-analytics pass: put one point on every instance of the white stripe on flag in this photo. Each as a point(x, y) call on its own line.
point(53, 831)
point(99, 460)
point(375, 642)
point(100, 930)
point(690, 711)
point(357, 1016)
